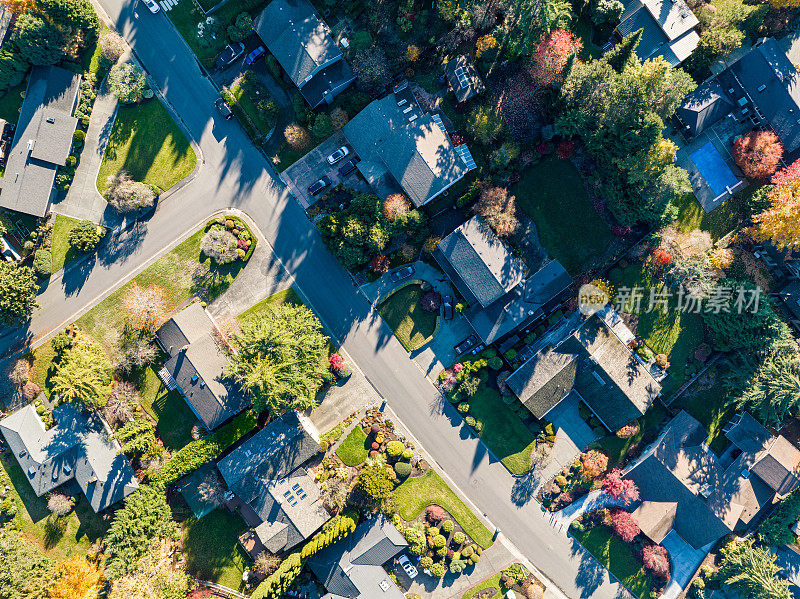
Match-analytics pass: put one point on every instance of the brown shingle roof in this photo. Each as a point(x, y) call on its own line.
point(656, 518)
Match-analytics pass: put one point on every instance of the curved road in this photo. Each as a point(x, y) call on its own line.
point(234, 174)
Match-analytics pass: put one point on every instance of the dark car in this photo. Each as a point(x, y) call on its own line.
point(447, 307)
point(348, 167)
point(223, 108)
point(230, 54)
point(319, 185)
point(402, 273)
point(254, 55)
point(466, 345)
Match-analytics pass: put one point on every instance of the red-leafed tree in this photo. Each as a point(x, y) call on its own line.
point(551, 54)
point(380, 264)
point(625, 525)
point(616, 487)
point(758, 154)
point(566, 148)
point(656, 559)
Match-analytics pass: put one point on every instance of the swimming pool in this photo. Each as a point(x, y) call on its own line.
point(714, 169)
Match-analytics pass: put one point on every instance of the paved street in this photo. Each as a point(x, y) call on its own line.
point(234, 174)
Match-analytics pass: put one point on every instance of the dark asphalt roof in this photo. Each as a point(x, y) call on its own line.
point(544, 380)
point(704, 106)
point(463, 78)
point(327, 83)
point(42, 140)
point(480, 261)
point(667, 28)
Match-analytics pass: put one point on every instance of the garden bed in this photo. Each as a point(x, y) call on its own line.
point(413, 326)
point(513, 578)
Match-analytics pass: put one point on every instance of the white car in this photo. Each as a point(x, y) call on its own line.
point(410, 569)
point(338, 155)
point(152, 5)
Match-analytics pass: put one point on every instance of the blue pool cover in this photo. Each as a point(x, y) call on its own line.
point(714, 169)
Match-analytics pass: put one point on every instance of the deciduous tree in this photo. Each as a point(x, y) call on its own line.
point(112, 46)
point(126, 195)
point(758, 154)
point(624, 524)
point(616, 487)
point(780, 223)
point(499, 209)
point(155, 577)
point(551, 54)
point(145, 307)
point(127, 82)
point(656, 559)
point(76, 578)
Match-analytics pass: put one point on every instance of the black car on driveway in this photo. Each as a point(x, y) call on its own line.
point(466, 345)
point(229, 55)
point(319, 185)
point(402, 273)
point(447, 307)
point(348, 167)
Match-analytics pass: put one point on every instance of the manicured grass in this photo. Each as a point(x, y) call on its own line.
point(709, 406)
point(211, 547)
point(720, 221)
point(174, 419)
point(503, 431)
point(147, 143)
point(287, 296)
point(73, 534)
point(60, 248)
point(43, 367)
point(287, 156)
point(618, 557)
point(177, 274)
point(244, 100)
point(412, 325)
point(416, 494)
point(353, 450)
point(616, 448)
point(493, 582)
point(552, 193)
point(11, 101)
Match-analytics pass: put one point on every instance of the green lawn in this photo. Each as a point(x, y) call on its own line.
point(552, 193)
point(211, 547)
point(11, 101)
point(147, 143)
point(73, 533)
point(287, 296)
point(353, 450)
point(176, 272)
point(412, 325)
point(493, 582)
point(246, 103)
point(618, 557)
point(616, 448)
point(720, 221)
point(416, 494)
point(173, 416)
point(60, 248)
point(503, 431)
point(709, 406)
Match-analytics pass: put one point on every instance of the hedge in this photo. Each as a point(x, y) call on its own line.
point(335, 530)
point(195, 454)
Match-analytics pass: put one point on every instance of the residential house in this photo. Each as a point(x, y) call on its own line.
point(353, 567)
point(492, 280)
point(668, 29)
point(270, 488)
point(688, 491)
point(463, 77)
point(593, 362)
point(761, 87)
point(42, 140)
point(302, 44)
point(196, 366)
point(78, 447)
point(400, 145)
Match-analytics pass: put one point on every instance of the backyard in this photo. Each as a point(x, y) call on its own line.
point(618, 557)
point(416, 494)
point(353, 450)
point(147, 143)
point(211, 547)
point(552, 193)
point(616, 449)
point(412, 325)
point(706, 400)
point(11, 101)
point(174, 419)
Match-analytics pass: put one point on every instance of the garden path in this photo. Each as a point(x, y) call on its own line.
point(594, 500)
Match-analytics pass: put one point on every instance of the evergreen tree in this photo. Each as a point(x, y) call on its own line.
point(12, 68)
point(39, 41)
point(17, 292)
point(24, 572)
point(83, 376)
point(752, 571)
point(621, 55)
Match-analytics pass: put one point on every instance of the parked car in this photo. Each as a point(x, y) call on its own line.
point(254, 55)
point(230, 54)
point(338, 155)
point(348, 167)
point(402, 273)
point(466, 345)
point(319, 185)
point(223, 108)
point(447, 305)
point(408, 566)
point(152, 6)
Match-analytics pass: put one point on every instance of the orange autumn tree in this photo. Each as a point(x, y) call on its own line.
point(77, 578)
point(551, 54)
point(758, 154)
point(780, 223)
point(17, 7)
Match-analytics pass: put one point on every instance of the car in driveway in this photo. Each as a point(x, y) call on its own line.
point(152, 6)
point(447, 307)
point(223, 108)
point(254, 55)
point(348, 167)
point(409, 568)
point(338, 155)
point(319, 185)
point(402, 273)
point(229, 55)
point(466, 345)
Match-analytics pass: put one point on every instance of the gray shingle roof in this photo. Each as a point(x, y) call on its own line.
point(469, 84)
point(481, 262)
point(667, 29)
point(417, 153)
point(42, 140)
point(352, 567)
point(544, 380)
point(197, 363)
point(76, 447)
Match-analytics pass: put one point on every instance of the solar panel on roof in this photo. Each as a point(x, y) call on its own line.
point(462, 77)
point(295, 486)
point(438, 120)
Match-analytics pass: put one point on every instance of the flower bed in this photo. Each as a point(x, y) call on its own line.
point(574, 481)
point(237, 227)
point(514, 578)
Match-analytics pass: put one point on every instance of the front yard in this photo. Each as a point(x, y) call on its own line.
point(211, 547)
point(353, 450)
point(61, 251)
point(147, 143)
point(552, 193)
point(412, 325)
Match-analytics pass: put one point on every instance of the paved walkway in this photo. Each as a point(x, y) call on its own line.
point(594, 500)
point(684, 561)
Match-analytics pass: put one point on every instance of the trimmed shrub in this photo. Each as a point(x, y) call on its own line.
point(408, 453)
point(463, 408)
point(437, 570)
point(468, 552)
point(394, 449)
point(220, 245)
point(470, 421)
point(426, 563)
point(434, 514)
point(475, 558)
point(439, 541)
point(43, 263)
point(402, 469)
point(447, 526)
point(495, 363)
point(85, 236)
point(459, 537)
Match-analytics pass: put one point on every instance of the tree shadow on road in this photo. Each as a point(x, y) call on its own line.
point(524, 488)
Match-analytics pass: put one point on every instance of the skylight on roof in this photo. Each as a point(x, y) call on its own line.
point(462, 77)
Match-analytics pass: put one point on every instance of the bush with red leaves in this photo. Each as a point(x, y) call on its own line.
point(662, 257)
point(242, 244)
point(31, 390)
point(335, 361)
point(431, 301)
point(379, 264)
point(566, 149)
point(457, 139)
point(620, 231)
point(434, 514)
point(625, 525)
point(656, 559)
point(616, 487)
point(543, 148)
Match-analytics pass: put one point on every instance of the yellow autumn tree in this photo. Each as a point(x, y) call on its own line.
point(780, 4)
point(76, 578)
point(780, 223)
point(17, 7)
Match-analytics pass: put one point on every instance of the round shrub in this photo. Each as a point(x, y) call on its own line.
point(79, 137)
point(43, 262)
point(426, 562)
point(441, 552)
point(219, 245)
point(459, 537)
point(457, 566)
point(408, 453)
point(478, 426)
point(447, 526)
point(510, 354)
point(432, 531)
point(437, 570)
point(495, 363)
point(403, 469)
point(463, 407)
point(475, 558)
point(439, 541)
point(561, 481)
point(467, 552)
point(85, 236)
point(478, 549)
point(470, 421)
point(72, 161)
